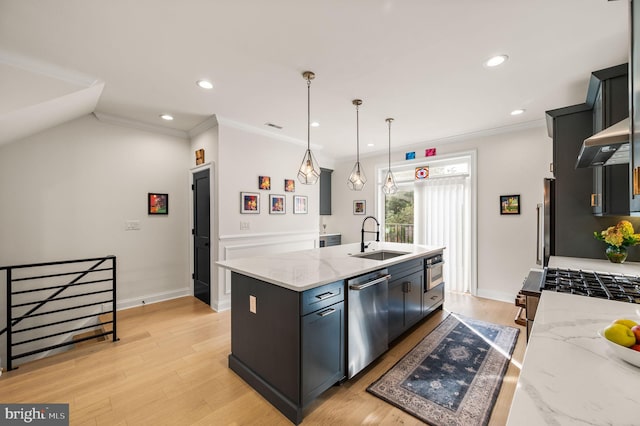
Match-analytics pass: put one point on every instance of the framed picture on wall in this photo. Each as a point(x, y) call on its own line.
point(249, 203)
point(264, 182)
point(510, 204)
point(359, 207)
point(300, 204)
point(289, 185)
point(276, 204)
point(157, 203)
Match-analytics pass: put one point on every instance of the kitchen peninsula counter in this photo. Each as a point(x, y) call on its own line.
point(568, 376)
point(307, 269)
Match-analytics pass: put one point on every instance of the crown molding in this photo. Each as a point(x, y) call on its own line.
point(202, 127)
point(127, 122)
point(262, 132)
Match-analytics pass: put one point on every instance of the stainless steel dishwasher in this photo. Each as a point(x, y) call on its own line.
point(368, 334)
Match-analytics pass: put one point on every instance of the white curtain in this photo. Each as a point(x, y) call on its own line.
point(442, 217)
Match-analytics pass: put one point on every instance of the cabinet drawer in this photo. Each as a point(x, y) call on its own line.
point(432, 298)
point(405, 268)
point(321, 297)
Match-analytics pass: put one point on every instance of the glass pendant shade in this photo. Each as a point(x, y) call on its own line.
point(357, 178)
point(389, 186)
point(309, 171)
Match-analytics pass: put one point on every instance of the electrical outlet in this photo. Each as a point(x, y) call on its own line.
point(245, 226)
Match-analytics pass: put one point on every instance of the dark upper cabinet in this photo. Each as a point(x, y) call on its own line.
point(325, 191)
point(609, 94)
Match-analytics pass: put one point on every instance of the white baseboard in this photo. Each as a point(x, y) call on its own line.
point(497, 295)
point(152, 298)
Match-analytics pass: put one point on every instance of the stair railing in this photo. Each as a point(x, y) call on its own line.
point(44, 309)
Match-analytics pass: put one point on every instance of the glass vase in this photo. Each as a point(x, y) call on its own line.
point(616, 254)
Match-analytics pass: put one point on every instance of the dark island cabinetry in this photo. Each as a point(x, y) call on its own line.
point(405, 296)
point(291, 347)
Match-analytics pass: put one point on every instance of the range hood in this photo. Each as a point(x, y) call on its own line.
point(606, 148)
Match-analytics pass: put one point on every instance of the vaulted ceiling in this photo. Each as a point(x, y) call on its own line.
point(420, 62)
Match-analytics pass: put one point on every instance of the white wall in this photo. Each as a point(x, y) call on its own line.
point(67, 192)
point(243, 155)
point(508, 163)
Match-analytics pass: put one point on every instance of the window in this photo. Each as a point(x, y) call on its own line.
point(436, 210)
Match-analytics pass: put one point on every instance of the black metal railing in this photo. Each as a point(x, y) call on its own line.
point(399, 233)
point(48, 302)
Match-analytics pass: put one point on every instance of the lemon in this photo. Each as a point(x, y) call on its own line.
point(626, 322)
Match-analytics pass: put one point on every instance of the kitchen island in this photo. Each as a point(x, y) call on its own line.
point(568, 376)
point(292, 315)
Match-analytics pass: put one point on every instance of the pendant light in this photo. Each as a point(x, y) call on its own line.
point(309, 171)
point(357, 178)
point(389, 186)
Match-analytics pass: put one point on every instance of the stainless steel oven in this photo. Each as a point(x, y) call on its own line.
point(433, 271)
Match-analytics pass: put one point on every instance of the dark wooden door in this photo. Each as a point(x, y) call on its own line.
point(201, 236)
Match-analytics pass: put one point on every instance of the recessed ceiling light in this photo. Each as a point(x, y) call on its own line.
point(315, 124)
point(494, 61)
point(517, 111)
point(205, 84)
point(371, 144)
point(167, 117)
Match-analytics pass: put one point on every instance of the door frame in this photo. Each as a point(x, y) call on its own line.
point(213, 237)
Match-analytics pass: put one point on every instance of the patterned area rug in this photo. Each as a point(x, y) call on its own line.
point(453, 376)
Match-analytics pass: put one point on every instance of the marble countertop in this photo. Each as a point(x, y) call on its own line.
point(568, 376)
point(306, 269)
point(597, 265)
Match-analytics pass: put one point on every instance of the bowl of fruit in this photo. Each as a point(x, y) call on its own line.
point(623, 338)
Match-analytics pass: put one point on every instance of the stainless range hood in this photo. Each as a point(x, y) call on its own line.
point(606, 148)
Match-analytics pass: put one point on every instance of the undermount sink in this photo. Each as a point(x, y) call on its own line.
point(380, 255)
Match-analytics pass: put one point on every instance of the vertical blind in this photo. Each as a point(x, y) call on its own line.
point(442, 216)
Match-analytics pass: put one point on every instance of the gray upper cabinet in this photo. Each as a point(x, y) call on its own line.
point(325, 191)
point(609, 95)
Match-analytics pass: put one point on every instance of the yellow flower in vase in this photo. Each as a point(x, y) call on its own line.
point(618, 238)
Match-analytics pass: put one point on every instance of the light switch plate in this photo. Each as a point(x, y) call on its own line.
point(132, 225)
point(252, 304)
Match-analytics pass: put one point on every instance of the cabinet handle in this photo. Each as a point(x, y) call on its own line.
point(636, 181)
point(551, 167)
point(407, 286)
point(324, 295)
point(595, 200)
point(327, 312)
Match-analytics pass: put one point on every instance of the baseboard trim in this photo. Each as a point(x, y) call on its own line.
point(152, 298)
point(496, 295)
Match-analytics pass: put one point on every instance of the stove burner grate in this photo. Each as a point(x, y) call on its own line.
point(623, 288)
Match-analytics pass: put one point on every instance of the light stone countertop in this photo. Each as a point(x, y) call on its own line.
point(597, 265)
point(568, 376)
point(307, 269)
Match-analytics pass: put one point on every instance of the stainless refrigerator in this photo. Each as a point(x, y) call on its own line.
point(546, 224)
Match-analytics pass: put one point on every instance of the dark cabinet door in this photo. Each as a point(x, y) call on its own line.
point(325, 191)
point(405, 302)
point(610, 105)
point(413, 298)
point(396, 309)
point(322, 350)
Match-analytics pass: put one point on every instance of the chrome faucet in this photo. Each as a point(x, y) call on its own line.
point(362, 246)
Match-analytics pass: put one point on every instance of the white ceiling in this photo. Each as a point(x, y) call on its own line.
point(418, 61)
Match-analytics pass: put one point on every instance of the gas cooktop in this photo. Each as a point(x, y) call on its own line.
point(603, 285)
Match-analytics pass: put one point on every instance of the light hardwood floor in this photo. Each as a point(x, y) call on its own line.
point(170, 368)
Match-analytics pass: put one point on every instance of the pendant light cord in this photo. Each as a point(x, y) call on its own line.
point(357, 134)
point(389, 169)
point(308, 114)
